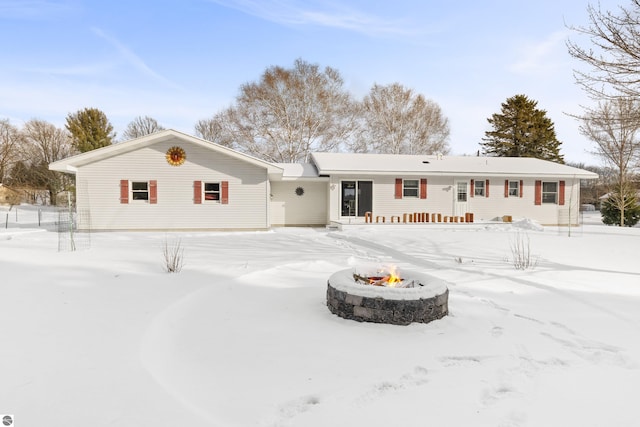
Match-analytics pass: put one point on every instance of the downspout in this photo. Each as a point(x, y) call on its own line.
point(268, 202)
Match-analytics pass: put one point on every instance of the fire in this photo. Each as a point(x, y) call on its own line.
point(393, 279)
point(388, 277)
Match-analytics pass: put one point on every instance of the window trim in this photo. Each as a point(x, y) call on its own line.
point(510, 190)
point(479, 188)
point(199, 195)
point(411, 189)
point(555, 193)
point(133, 191)
point(128, 194)
point(211, 192)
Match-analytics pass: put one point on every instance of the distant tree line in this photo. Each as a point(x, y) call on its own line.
point(25, 153)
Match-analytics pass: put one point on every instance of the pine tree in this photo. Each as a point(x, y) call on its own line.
point(90, 129)
point(522, 130)
point(621, 207)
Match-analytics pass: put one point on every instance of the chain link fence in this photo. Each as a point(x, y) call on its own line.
point(63, 221)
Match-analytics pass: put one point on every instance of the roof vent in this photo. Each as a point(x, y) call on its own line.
point(425, 161)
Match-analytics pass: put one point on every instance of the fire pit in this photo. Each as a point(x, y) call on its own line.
point(386, 296)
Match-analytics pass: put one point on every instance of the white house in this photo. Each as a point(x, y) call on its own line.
point(173, 181)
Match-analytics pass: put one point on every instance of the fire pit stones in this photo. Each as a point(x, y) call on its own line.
point(423, 303)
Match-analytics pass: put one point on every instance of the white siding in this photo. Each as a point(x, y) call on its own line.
point(287, 208)
point(99, 186)
point(441, 196)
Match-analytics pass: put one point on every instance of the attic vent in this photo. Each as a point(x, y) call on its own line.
point(425, 161)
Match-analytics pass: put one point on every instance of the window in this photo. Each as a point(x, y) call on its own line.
point(212, 191)
point(550, 192)
point(461, 192)
point(479, 189)
point(514, 189)
point(139, 190)
point(411, 188)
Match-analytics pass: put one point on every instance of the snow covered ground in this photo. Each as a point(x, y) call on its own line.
point(242, 336)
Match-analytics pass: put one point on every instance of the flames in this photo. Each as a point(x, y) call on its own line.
point(389, 277)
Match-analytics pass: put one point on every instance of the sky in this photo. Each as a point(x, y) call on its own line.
point(182, 61)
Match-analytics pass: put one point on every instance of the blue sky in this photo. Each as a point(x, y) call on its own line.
point(180, 61)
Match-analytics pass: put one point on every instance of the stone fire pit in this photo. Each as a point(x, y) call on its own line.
point(417, 298)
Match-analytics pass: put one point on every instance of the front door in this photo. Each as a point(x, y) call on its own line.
point(461, 202)
point(357, 198)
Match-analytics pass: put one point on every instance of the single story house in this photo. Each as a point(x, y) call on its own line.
point(173, 181)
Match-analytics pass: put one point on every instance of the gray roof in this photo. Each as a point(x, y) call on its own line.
point(386, 164)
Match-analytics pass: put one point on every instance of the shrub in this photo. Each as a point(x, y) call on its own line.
point(610, 208)
point(173, 256)
point(521, 252)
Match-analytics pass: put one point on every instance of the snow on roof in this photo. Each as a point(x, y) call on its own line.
point(70, 164)
point(297, 170)
point(332, 163)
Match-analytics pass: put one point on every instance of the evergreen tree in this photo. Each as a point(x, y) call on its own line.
point(522, 130)
point(621, 207)
point(90, 129)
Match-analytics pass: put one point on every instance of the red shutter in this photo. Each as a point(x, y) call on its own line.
point(224, 198)
point(398, 188)
point(124, 191)
point(486, 188)
point(423, 188)
point(153, 192)
point(197, 192)
point(473, 185)
point(538, 198)
point(506, 188)
point(521, 189)
point(561, 194)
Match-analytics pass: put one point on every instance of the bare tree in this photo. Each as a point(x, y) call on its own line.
point(614, 127)
point(217, 129)
point(45, 143)
point(289, 113)
point(141, 126)
point(397, 121)
point(10, 139)
point(613, 56)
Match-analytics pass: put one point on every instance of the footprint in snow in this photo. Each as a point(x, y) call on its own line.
point(416, 378)
point(293, 408)
point(591, 350)
point(449, 361)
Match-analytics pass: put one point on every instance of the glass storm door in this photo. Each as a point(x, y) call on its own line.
point(357, 198)
point(365, 197)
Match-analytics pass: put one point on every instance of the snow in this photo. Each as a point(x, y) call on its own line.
point(242, 336)
point(430, 286)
